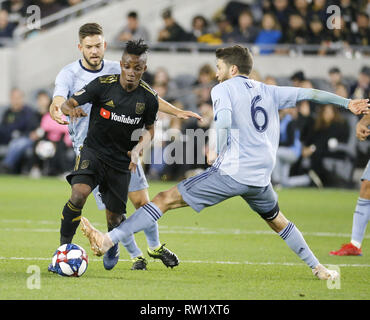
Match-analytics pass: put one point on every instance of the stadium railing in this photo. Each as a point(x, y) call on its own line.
point(22, 31)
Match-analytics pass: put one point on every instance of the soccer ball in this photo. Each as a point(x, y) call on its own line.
point(70, 260)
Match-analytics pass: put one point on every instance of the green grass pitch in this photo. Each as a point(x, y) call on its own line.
point(227, 252)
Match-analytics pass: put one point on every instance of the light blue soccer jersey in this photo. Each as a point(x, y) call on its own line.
point(72, 78)
point(254, 136)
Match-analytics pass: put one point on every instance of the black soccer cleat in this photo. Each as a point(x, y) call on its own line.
point(139, 263)
point(168, 258)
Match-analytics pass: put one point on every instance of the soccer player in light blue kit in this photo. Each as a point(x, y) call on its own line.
point(361, 215)
point(247, 123)
point(70, 80)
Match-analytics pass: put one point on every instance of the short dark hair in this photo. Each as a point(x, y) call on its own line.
point(238, 56)
point(136, 47)
point(132, 14)
point(90, 29)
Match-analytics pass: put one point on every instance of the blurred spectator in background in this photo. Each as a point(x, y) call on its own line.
point(270, 33)
point(132, 30)
point(297, 78)
point(361, 35)
point(348, 10)
point(318, 8)
point(51, 142)
point(246, 31)
point(232, 11)
point(17, 123)
point(18, 119)
point(162, 78)
point(282, 11)
point(48, 7)
point(329, 130)
point(6, 27)
point(301, 7)
point(289, 150)
point(17, 10)
point(222, 33)
point(361, 89)
point(296, 33)
point(335, 77)
point(338, 38)
point(172, 31)
point(317, 34)
point(199, 27)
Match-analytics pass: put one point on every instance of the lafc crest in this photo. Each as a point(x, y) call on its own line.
point(140, 107)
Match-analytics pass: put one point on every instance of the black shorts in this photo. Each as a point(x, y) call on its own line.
point(113, 184)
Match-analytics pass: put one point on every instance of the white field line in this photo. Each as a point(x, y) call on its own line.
point(193, 261)
point(166, 229)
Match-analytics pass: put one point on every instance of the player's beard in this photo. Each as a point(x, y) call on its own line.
point(93, 64)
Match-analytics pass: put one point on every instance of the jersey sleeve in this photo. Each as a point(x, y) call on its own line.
point(284, 97)
point(88, 93)
point(220, 99)
point(151, 113)
point(63, 83)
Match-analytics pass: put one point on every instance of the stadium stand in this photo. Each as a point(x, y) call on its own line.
point(290, 40)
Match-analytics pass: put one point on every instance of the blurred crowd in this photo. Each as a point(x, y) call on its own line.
point(261, 22)
point(318, 145)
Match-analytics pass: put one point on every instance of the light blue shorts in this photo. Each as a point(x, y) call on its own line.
point(138, 180)
point(366, 174)
point(212, 186)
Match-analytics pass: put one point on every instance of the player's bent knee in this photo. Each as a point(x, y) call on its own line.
point(272, 214)
point(80, 192)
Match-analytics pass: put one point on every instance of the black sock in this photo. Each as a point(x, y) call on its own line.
point(71, 217)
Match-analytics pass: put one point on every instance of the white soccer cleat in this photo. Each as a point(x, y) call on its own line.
point(100, 243)
point(325, 274)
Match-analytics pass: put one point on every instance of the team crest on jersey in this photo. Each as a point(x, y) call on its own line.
point(85, 164)
point(140, 107)
point(78, 93)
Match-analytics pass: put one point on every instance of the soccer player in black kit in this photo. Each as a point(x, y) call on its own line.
point(121, 105)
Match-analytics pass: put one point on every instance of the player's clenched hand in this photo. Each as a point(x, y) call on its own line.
point(185, 114)
point(359, 106)
point(76, 113)
point(57, 114)
point(362, 131)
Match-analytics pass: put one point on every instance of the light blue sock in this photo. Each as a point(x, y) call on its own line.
point(152, 236)
point(294, 239)
point(130, 245)
point(360, 219)
point(143, 218)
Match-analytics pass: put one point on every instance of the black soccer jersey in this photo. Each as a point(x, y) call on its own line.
point(115, 117)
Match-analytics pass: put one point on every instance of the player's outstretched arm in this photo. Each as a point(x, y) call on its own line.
point(55, 110)
point(362, 128)
point(357, 106)
point(168, 108)
point(69, 108)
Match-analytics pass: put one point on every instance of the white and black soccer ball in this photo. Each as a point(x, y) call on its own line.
point(70, 260)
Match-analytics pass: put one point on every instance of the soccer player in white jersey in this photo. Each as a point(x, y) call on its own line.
point(247, 123)
point(361, 215)
point(70, 80)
